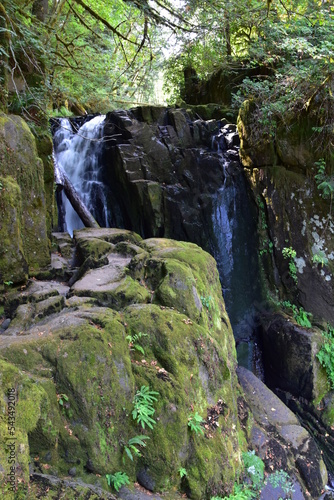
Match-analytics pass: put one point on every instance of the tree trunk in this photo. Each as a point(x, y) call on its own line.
point(73, 197)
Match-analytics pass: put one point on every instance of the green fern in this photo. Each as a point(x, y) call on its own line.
point(117, 480)
point(132, 446)
point(143, 409)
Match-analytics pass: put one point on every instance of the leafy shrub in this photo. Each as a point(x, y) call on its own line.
point(325, 183)
point(281, 479)
point(254, 467)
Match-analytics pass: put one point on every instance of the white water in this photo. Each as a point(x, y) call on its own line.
point(78, 154)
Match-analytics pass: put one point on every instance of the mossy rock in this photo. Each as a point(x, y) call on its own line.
point(86, 359)
point(13, 264)
point(256, 145)
point(25, 402)
point(19, 159)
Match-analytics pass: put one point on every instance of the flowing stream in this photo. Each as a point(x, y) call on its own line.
point(78, 154)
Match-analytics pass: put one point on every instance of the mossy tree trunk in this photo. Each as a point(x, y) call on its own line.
point(4, 47)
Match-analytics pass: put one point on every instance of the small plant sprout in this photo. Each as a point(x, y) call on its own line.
point(182, 471)
point(62, 398)
point(117, 480)
point(206, 301)
point(194, 422)
point(8, 283)
point(63, 402)
point(290, 254)
point(132, 447)
point(300, 316)
point(143, 409)
point(281, 479)
point(320, 258)
point(133, 341)
point(326, 354)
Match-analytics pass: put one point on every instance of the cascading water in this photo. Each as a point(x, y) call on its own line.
point(233, 232)
point(78, 154)
point(234, 246)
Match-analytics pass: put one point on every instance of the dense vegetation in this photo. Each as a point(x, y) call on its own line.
point(101, 53)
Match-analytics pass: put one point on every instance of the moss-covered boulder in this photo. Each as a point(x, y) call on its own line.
point(19, 160)
point(167, 332)
point(13, 264)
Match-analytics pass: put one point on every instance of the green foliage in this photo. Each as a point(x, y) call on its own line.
point(254, 467)
point(63, 402)
point(240, 492)
point(299, 314)
point(8, 283)
point(132, 447)
point(133, 341)
point(206, 301)
point(290, 254)
point(63, 111)
point(326, 354)
point(281, 479)
point(325, 183)
point(143, 408)
point(182, 471)
point(117, 480)
point(320, 258)
point(195, 423)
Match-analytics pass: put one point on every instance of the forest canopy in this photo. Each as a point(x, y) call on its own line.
point(92, 55)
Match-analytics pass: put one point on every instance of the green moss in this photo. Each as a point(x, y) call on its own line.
point(28, 398)
point(19, 160)
point(190, 363)
point(93, 247)
point(13, 264)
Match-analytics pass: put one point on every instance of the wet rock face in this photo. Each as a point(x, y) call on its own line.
point(162, 172)
point(72, 353)
point(292, 214)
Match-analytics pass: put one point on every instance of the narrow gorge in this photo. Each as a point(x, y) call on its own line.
point(190, 251)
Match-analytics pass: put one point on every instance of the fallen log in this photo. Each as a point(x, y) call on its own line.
point(63, 182)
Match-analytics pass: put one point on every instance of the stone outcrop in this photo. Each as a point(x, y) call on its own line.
point(293, 218)
point(24, 244)
point(279, 439)
point(162, 172)
point(70, 353)
point(292, 214)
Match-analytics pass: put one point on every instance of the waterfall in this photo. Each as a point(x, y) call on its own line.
point(234, 246)
point(78, 153)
